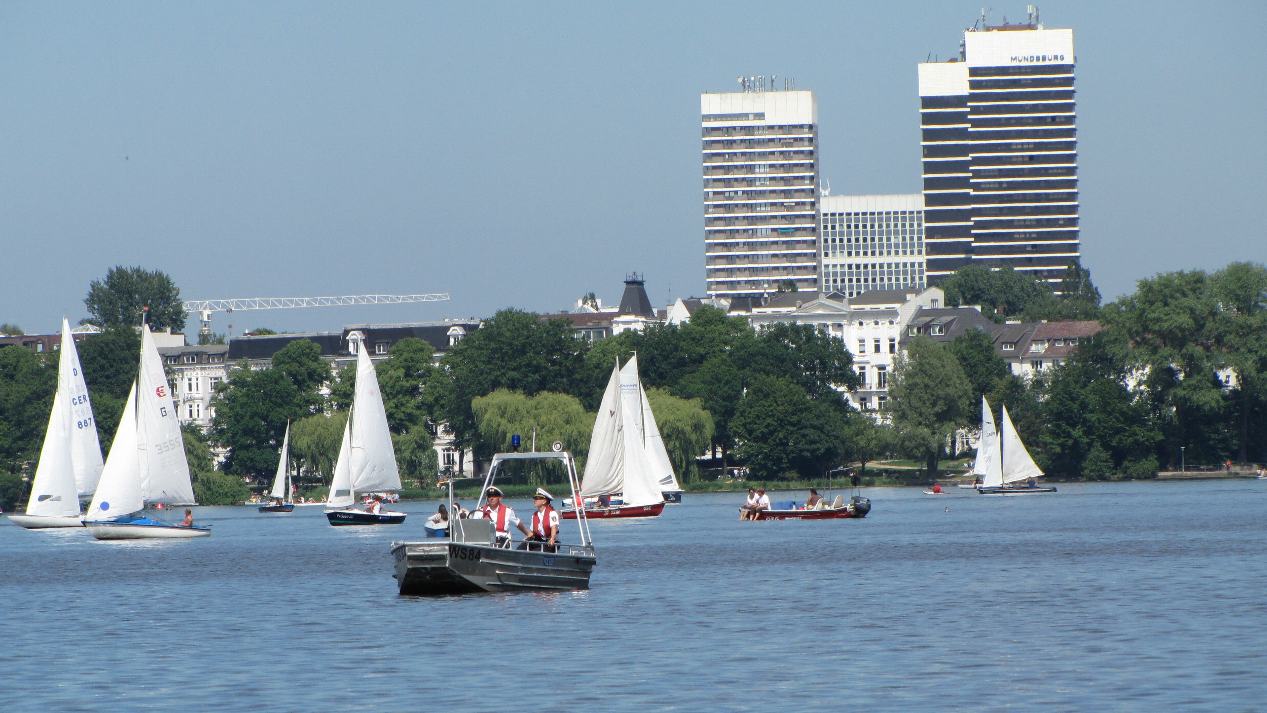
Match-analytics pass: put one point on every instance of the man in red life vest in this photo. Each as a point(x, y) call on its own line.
point(545, 523)
point(501, 514)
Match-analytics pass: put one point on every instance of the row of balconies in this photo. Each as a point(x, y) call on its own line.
point(760, 157)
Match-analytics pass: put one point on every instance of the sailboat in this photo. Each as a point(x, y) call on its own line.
point(618, 463)
point(281, 482)
point(147, 462)
point(366, 461)
point(987, 444)
point(1009, 469)
point(70, 459)
point(634, 399)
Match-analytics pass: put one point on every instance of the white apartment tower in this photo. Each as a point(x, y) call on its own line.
point(760, 157)
point(1000, 153)
point(871, 243)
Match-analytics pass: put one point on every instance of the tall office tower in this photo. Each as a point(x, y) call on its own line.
point(760, 152)
point(871, 243)
point(1000, 152)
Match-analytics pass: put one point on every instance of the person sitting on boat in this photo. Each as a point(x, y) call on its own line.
point(813, 500)
point(440, 519)
point(375, 506)
point(545, 523)
point(501, 514)
point(605, 500)
point(189, 518)
point(763, 503)
point(460, 512)
point(745, 512)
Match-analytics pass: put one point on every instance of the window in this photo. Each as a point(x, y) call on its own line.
point(1009, 346)
point(213, 382)
point(170, 360)
point(881, 402)
point(193, 385)
point(215, 359)
point(912, 331)
point(380, 348)
point(864, 404)
point(191, 358)
point(450, 457)
point(882, 377)
point(193, 410)
point(862, 377)
point(937, 330)
point(876, 343)
point(893, 345)
point(862, 346)
point(1038, 364)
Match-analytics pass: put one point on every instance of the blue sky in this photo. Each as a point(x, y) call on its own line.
point(523, 154)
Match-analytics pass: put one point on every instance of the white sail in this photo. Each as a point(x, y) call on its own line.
point(641, 478)
point(373, 457)
point(341, 485)
point(280, 489)
point(604, 472)
point(164, 469)
point(1017, 465)
point(653, 443)
point(85, 448)
point(53, 491)
point(987, 444)
point(119, 490)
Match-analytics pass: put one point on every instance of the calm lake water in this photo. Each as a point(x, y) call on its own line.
point(1124, 596)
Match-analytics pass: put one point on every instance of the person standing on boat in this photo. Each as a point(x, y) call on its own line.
point(545, 522)
point(501, 515)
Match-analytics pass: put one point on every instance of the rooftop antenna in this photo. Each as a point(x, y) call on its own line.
point(825, 189)
point(1032, 11)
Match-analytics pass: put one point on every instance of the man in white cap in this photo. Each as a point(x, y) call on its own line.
point(501, 514)
point(545, 523)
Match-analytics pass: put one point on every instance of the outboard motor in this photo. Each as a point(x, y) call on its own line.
point(859, 506)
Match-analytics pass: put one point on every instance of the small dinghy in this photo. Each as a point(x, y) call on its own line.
point(366, 461)
point(857, 507)
point(146, 464)
point(280, 493)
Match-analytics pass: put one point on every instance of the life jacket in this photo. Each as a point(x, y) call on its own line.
point(500, 520)
point(541, 522)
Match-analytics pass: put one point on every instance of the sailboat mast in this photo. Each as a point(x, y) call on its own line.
point(642, 413)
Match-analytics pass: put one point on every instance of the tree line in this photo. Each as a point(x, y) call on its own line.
point(1175, 374)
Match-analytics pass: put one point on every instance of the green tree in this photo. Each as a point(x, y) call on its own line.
point(27, 383)
point(10, 329)
point(551, 416)
point(416, 455)
point(252, 409)
point(686, 429)
point(119, 299)
point(402, 380)
point(930, 398)
point(109, 361)
point(211, 487)
point(974, 350)
point(1000, 293)
point(1241, 339)
point(300, 361)
point(867, 440)
point(718, 385)
point(779, 429)
point(314, 444)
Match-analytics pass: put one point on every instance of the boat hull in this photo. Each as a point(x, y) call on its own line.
point(1015, 491)
point(283, 508)
point(617, 511)
point(143, 529)
point(45, 522)
point(444, 567)
point(672, 496)
point(361, 517)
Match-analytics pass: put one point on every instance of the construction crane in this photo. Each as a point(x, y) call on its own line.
point(204, 308)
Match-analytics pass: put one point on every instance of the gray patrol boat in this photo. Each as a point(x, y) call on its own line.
point(471, 560)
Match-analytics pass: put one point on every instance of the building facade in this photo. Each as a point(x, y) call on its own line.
point(999, 144)
point(195, 372)
point(871, 243)
point(760, 160)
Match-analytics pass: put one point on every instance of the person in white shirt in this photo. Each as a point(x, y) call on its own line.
point(745, 512)
point(502, 515)
point(545, 524)
point(763, 503)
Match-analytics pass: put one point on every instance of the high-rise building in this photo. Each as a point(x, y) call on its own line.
point(871, 243)
point(1000, 152)
point(760, 157)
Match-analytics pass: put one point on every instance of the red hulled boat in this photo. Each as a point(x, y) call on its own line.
point(616, 511)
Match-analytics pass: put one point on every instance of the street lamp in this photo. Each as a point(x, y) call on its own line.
point(1182, 467)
